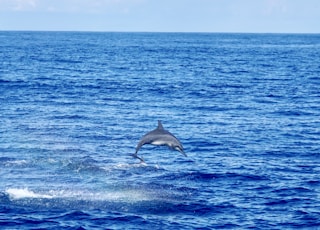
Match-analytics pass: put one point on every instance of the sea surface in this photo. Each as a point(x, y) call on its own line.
point(73, 106)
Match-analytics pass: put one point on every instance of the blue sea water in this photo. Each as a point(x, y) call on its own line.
point(246, 108)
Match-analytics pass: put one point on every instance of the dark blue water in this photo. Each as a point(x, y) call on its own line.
point(246, 108)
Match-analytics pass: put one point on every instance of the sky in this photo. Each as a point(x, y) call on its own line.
point(244, 16)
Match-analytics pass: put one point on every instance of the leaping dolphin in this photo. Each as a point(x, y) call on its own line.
point(159, 136)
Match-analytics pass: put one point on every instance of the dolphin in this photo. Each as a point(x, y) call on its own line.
point(159, 136)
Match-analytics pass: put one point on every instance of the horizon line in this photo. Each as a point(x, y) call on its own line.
point(136, 31)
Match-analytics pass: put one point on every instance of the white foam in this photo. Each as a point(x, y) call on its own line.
point(17, 162)
point(120, 195)
point(130, 195)
point(126, 166)
point(15, 193)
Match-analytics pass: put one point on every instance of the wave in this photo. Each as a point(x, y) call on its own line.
point(207, 176)
point(9, 162)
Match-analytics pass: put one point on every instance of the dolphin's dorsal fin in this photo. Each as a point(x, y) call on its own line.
point(160, 125)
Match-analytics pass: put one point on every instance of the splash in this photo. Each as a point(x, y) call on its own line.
point(130, 195)
point(25, 193)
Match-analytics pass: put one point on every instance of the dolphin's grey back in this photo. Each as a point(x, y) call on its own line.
point(149, 137)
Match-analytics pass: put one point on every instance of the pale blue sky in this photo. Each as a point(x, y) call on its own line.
point(262, 16)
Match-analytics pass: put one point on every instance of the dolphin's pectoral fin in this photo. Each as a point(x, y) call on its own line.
point(136, 156)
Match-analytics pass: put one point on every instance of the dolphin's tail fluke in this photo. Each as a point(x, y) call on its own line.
point(136, 156)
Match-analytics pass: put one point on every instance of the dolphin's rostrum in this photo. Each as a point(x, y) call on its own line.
point(159, 136)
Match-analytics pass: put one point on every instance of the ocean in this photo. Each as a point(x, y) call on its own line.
point(74, 105)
